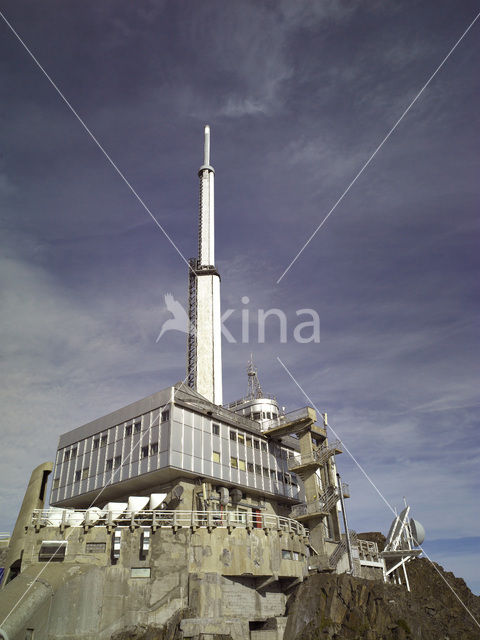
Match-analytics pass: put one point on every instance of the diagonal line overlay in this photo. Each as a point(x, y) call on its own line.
point(376, 488)
point(112, 477)
point(95, 140)
point(365, 165)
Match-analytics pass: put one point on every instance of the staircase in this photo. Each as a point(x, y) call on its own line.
point(341, 549)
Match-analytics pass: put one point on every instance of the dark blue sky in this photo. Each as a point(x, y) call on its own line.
point(298, 95)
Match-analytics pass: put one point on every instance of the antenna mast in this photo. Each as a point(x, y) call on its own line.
point(254, 387)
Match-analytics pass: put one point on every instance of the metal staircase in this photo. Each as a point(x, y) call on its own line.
point(341, 549)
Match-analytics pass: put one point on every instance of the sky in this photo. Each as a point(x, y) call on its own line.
point(298, 96)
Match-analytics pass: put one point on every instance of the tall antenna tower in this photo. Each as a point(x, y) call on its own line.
point(254, 387)
point(204, 345)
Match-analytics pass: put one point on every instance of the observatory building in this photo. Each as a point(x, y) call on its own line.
point(180, 505)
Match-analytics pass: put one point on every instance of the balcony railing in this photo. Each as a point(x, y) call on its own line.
point(293, 416)
point(320, 456)
point(237, 403)
point(321, 505)
point(368, 550)
point(57, 517)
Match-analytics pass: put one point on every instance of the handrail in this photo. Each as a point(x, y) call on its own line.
point(236, 403)
point(163, 518)
point(319, 456)
point(320, 505)
point(286, 418)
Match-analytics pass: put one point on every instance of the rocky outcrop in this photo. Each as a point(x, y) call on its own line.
point(342, 607)
point(339, 607)
point(168, 631)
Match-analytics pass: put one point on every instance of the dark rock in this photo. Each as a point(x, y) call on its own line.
point(345, 608)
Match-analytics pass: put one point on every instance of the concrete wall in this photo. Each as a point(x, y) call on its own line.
point(34, 499)
point(218, 574)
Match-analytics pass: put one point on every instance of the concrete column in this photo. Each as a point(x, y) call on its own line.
point(34, 499)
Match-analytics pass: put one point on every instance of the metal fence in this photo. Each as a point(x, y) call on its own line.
point(55, 517)
point(293, 416)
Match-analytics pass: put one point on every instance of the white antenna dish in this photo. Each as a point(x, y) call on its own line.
point(418, 532)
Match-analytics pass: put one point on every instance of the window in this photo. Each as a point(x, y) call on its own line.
point(250, 467)
point(56, 483)
point(53, 550)
point(216, 456)
point(249, 441)
point(154, 448)
point(66, 456)
point(103, 441)
point(96, 442)
point(258, 469)
point(77, 475)
point(74, 452)
point(128, 430)
point(269, 415)
point(295, 555)
point(215, 429)
point(234, 463)
point(109, 466)
point(280, 476)
point(165, 415)
point(95, 547)
point(272, 474)
point(286, 554)
point(233, 435)
point(144, 452)
point(140, 572)
point(117, 462)
point(288, 478)
point(256, 444)
point(264, 446)
point(257, 415)
point(241, 438)
point(241, 465)
point(85, 473)
point(137, 427)
point(265, 472)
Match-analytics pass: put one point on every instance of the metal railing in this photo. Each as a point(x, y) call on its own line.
point(341, 549)
point(171, 519)
point(319, 456)
point(237, 403)
point(324, 504)
point(293, 416)
point(368, 550)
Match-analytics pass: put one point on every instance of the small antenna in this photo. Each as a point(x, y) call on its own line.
point(254, 388)
point(206, 149)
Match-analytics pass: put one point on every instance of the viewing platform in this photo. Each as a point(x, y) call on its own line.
point(294, 423)
point(317, 508)
point(315, 459)
point(87, 518)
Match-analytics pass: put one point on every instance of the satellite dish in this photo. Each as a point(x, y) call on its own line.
point(418, 532)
